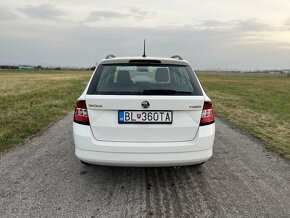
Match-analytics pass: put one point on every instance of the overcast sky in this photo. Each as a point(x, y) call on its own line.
point(231, 34)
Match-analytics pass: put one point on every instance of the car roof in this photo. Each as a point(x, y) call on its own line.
point(125, 60)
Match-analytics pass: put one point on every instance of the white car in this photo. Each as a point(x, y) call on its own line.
point(143, 111)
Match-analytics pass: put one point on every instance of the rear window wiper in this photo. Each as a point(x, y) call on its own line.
point(165, 92)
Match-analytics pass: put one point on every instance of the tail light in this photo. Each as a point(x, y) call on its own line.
point(81, 113)
point(207, 116)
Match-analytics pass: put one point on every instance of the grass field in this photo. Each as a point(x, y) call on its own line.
point(31, 100)
point(256, 103)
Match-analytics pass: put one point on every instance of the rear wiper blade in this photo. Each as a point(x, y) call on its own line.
point(164, 92)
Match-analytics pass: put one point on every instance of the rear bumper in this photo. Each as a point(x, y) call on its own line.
point(90, 150)
point(137, 159)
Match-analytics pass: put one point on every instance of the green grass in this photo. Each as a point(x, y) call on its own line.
point(256, 103)
point(32, 100)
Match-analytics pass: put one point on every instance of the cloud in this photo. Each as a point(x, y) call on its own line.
point(252, 25)
point(287, 23)
point(208, 41)
point(249, 25)
point(139, 12)
point(101, 15)
point(213, 23)
point(6, 15)
point(83, 45)
point(42, 11)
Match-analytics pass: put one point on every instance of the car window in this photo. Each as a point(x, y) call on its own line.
point(123, 79)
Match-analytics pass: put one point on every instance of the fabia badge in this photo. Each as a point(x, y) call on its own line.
point(145, 104)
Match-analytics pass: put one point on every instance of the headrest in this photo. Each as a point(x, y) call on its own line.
point(123, 77)
point(161, 74)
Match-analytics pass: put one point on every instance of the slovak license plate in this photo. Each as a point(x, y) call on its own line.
point(153, 117)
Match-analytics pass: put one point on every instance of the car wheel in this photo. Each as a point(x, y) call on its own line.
point(85, 163)
point(198, 165)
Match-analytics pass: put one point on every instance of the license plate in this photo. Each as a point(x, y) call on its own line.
point(153, 117)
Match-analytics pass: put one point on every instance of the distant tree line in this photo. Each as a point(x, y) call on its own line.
point(12, 67)
point(29, 67)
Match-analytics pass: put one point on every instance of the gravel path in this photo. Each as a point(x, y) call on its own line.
point(43, 178)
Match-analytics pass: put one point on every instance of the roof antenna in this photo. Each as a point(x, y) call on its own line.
point(144, 52)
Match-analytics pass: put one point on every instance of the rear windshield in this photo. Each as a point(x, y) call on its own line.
point(144, 80)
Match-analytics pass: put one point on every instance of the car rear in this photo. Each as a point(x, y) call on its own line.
point(144, 112)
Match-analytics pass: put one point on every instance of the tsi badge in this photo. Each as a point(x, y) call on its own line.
point(145, 104)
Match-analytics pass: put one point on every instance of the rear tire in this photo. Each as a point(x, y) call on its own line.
point(85, 163)
point(198, 165)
